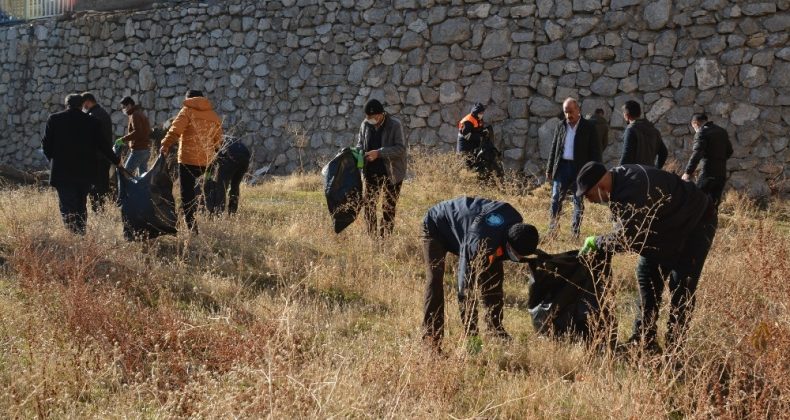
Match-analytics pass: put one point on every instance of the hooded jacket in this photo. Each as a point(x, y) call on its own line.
point(139, 130)
point(198, 130)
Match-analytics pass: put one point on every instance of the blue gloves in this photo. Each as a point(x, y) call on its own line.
point(590, 245)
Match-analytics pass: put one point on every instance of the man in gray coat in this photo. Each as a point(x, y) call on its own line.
point(381, 139)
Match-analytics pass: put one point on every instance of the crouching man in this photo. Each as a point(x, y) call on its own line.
point(483, 233)
point(670, 223)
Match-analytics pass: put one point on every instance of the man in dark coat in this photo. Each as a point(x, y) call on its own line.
point(712, 148)
point(100, 189)
point(575, 143)
point(483, 233)
point(471, 131)
point(228, 170)
point(642, 143)
point(72, 142)
point(669, 223)
point(385, 146)
point(601, 127)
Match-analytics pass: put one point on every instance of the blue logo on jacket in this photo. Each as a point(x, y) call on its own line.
point(494, 220)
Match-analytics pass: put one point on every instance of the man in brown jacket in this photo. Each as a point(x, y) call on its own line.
point(198, 130)
point(137, 137)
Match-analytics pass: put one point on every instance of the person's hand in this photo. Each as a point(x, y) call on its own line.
point(686, 177)
point(164, 151)
point(372, 155)
point(119, 141)
point(590, 245)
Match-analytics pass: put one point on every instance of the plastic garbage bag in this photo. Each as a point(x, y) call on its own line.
point(147, 204)
point(343, 187)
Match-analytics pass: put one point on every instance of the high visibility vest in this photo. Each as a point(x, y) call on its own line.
point(475, 122)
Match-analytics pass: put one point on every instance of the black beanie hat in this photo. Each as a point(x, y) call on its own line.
point(192, 93)
point(478, 108)
point(373, 107)
point(523, 238)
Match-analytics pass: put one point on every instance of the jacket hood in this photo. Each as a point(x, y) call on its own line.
point(198, 103)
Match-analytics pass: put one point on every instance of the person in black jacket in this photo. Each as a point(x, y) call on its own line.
point(228, 170)
point(471, 131)
point(483, 233)
point(100, 190)
point(642, 143)
point(72, 142)
point(712, 148)
point(669, 223)
point(575, 143)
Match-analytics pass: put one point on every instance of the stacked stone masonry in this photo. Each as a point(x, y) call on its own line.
point(290, 76)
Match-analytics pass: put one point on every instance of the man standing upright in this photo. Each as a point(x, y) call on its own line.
point(198, 131)
point(72, 143)
point(101, 187)
point(712, 148)
point(601, 127)
point(575, 143)
point(137, 137)
point(381, 138)
point(642, 143)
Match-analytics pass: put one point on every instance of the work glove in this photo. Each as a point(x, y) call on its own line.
point(359, 155)
point(590, 245)
point(119, 141)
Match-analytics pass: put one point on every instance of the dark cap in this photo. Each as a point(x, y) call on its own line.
point(192, 93)
point(373, 107)
point(589, 175)
point(478, 108)
point(523, 238)
point(127, 100)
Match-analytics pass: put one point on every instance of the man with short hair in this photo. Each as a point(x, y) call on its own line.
point(381, 138)
point(575, 143)
point(601, 127)
point(72, 142)
point(483, 234)
point(100, 189)
point(669, 223)
point(137, 137)
point(642, 143)
point(198, 131)
point(712, 148)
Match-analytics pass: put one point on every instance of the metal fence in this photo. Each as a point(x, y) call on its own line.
point(16, 10)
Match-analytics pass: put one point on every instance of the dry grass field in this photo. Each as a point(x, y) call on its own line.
point(270, 314)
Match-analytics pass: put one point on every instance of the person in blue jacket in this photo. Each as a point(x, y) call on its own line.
point(483, 233)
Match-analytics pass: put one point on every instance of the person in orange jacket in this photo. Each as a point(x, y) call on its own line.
point(198, 130)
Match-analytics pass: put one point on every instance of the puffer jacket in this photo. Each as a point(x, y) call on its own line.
point(198, 130)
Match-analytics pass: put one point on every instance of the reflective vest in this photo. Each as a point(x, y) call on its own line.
point(475, 122)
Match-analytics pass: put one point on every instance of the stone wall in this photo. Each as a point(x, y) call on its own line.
point(290, 76)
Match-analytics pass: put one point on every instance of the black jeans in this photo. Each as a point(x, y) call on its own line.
point(490, 283)
point(684, 270)
point(73, 203)
point(713, 186)
point(374, 185)
point(188, 175)
point(100, 190)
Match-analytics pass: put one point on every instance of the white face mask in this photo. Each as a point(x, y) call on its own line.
point(371, 121)
point(85, 110)
point(511, 255)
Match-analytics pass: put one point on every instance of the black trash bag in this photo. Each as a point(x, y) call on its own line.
point(563, 297)
point(147, 205)
point(343, 188)
point(487, 159)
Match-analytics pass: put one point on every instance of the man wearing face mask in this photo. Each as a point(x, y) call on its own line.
point(471, 131)
point(669, 223)
point(483, 233)
point(712, 148)
point(381, 139)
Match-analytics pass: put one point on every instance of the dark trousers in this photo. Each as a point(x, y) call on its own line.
point(684, 271)
point(73, 203)
point(564, 182)
point(713, 186)
point(188, 175)
point(228, 178)
point(490, 283)
point(100, 190)
point(375, 184)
